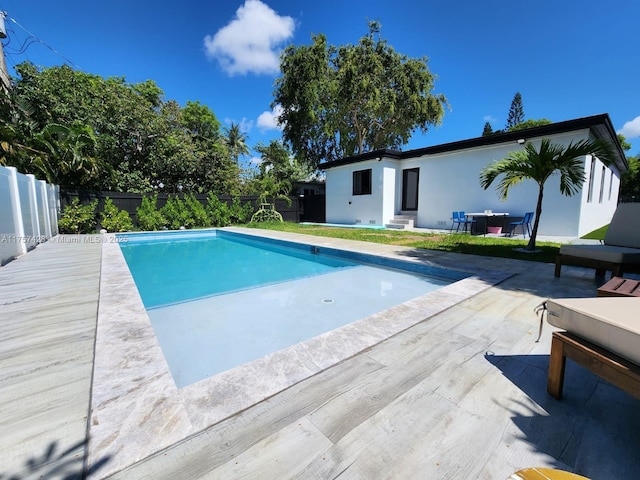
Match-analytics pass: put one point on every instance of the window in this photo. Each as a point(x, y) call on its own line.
point(362, 182)
point(591, 174)
point(610, 183)
point(604, 172)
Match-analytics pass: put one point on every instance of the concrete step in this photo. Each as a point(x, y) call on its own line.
point(402, 222)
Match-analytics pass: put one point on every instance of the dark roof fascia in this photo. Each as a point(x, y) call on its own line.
point(373, 155)
point(599, 124)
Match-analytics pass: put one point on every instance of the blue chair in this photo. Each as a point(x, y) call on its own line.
point(458, 219)
point(525, 223)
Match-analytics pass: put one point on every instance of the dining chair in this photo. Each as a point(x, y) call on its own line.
point(460, 219)
point(457, 220)
point(468, 221)
point(525, 223)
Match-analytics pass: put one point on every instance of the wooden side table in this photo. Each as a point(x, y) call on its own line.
point(620, 287)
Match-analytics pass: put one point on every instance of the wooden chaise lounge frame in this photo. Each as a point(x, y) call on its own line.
point(620, 252)
point(600, 333)
point(616, 370)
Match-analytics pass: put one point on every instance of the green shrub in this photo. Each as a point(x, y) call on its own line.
point(240, 213)
point(217, 211)
point(177, 214)
point(77, 218)
point(114, 219)
point(197, 211)
point(149, 216)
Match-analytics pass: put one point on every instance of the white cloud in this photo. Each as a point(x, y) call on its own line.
point(269, 120)
point(250, 42)
point(631, 129)
point(490, 119)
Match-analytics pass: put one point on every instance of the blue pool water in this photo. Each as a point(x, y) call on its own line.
point(169, 269)
point(218, 300)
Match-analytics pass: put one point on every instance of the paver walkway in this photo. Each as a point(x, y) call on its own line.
point(460, 395)
point(48, 305)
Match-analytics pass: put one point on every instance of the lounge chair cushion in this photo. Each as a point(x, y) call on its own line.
point(605, 253)
point(624, 230)
point(610, 322)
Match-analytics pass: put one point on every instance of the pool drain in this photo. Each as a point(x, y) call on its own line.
point(327, 300)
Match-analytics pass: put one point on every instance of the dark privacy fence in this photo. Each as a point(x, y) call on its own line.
point(302, 209)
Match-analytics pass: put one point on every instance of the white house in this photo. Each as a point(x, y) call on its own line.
point(429, 183)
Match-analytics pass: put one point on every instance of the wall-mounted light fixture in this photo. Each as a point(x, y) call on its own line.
point(521, 141)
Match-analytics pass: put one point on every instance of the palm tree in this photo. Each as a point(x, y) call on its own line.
point(67, 154)
point(539, 165)
point(236, 142)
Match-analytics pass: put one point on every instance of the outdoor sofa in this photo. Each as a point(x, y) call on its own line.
point(602, 334)
point(620, 251)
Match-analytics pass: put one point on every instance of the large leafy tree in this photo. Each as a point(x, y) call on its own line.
point(530, 124)
point(201, 122)
point(142, 142)
point(539, 165)
point(278, 163)
point(630, 181)
point(123, 116)
point(342, 101)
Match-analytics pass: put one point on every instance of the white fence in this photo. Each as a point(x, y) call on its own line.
point(28, 212)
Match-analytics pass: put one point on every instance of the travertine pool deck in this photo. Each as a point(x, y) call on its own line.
point(449, 385)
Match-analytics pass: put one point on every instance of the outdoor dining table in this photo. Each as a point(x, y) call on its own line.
point(486, 215)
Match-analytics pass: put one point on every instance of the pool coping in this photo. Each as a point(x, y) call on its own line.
point(136, 408)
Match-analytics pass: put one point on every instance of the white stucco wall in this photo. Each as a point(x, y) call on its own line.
point(454, 184)
point(597, 208)
point(344, 207)
point(451, 181)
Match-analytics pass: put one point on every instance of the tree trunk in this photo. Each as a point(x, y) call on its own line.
point(531, 246)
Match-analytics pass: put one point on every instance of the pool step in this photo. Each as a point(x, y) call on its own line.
point(402, 222)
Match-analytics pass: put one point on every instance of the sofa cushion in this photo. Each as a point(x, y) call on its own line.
point(605, 253)
point(610, 322)
point(624, 229)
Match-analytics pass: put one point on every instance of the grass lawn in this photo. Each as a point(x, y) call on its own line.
point(455, 242)
point(597, 234)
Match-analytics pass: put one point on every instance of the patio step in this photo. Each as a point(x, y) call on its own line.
point(402, 222)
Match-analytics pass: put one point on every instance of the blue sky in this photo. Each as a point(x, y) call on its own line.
point(567, 59)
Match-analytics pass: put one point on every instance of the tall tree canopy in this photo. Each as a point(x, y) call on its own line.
point(530, 124)
point(516, 112)
point(342, 101)
point(106, 134)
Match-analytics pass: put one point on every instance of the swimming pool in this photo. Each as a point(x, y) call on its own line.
point(217, 299)
point(135, 397)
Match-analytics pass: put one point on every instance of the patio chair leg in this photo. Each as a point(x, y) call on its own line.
point(557, 362)
point(558, 266)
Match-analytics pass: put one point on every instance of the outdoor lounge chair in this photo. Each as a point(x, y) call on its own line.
point(621, 249)
point(602, 334)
